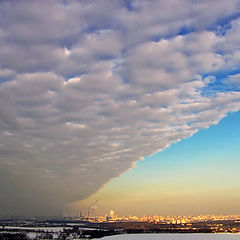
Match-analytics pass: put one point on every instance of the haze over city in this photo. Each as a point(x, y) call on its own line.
point(134, 103)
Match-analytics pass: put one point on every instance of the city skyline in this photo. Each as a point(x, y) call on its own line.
point(134, 103)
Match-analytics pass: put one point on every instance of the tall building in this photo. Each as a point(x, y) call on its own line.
point(111, 214)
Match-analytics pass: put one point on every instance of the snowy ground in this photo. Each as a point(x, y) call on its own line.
point(195, 236)
point(50, 229)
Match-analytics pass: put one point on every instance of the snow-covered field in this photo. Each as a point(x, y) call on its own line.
point(50, 229)
point(195, 236)
point(33, 232)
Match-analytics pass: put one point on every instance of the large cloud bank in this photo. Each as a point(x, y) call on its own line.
point(89, 87)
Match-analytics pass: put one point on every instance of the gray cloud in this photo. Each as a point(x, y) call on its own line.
point(87, 88)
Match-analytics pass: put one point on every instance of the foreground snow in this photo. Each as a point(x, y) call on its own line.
point(194, 236)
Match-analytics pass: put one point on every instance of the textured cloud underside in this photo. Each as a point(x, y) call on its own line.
point(87, 88)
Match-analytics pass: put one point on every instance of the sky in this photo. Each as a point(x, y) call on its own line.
point(198, 175)
point(133, 101)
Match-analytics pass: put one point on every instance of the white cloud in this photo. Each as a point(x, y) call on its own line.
point(66, 51)
point(73, 80)
point(233, 81)
point(6, 73)
point(76, 125)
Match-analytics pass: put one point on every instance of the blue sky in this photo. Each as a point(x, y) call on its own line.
point(212, 145)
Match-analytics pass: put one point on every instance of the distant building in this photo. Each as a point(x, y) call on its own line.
point(111, 214)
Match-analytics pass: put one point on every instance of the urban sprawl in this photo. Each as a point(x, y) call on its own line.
point(87, 227)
